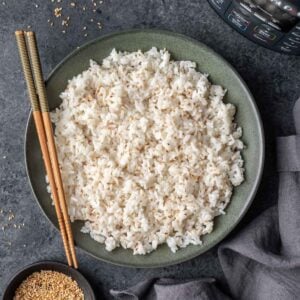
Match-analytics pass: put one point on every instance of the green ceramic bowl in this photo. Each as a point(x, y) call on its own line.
point(181, 48)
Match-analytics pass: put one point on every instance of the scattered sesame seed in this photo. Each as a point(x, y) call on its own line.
point(28, 26)
point(4, 156)
point(85, 34)
point(57, 12)
point(11, 217)
point(36, 5)
point(3, 3)
point(24, 245)
point(65, 22)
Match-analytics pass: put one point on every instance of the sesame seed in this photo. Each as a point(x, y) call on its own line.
point(11, 216)
point(65, 22)
point(57, 12)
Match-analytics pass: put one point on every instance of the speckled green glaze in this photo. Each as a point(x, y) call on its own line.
point(181, 48)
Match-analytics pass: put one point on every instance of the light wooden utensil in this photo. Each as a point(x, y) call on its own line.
point(37, 94)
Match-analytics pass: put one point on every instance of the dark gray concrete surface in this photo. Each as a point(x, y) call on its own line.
point(273, 79)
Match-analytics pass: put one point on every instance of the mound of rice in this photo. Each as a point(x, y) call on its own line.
point(149, 153)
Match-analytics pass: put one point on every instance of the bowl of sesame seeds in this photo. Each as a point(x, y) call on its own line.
point(48, 280)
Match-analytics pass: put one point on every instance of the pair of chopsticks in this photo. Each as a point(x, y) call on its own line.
point(37, 93)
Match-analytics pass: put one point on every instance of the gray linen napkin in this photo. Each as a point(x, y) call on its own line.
point(262, 262)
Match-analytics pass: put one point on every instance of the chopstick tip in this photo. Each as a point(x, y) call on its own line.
point(19, 32)
point(29, 33)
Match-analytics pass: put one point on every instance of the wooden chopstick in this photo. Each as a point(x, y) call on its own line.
point(42, 96)
point(45, 132)
point(41, 135)
point(41, 91)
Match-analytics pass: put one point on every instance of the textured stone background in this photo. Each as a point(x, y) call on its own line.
point(273, 79)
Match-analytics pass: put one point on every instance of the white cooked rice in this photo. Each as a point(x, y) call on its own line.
point(149, 152)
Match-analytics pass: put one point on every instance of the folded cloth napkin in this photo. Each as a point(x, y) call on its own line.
point(262, 262)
